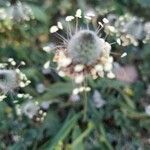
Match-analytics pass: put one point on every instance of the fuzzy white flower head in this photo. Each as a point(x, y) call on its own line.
point(20, 11)
point(129, 28)
point(85, 47)
point(29, 109)
point(11, 79)
point(8, 80)
point(135, 27)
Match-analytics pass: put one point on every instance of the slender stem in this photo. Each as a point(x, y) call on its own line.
point(113, 43)
point(62, 38)
point(99, 28)
point(85, 103)
point(106, 36)
point(69, 28)
point(76, 24)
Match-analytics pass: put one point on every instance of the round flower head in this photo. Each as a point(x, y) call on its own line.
point(29, 109)
point(85, 47)
point(84, 53)
point(20, 11)
point(129, 28)
point(135, 28)
point(8, 80)
point(11, 79)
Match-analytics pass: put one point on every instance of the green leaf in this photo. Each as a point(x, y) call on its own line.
point(76, 133)
point(78, 141)
point(63, 132)
point(105, 83)
point(56, 90)
point(39, 14)
point(103, 138)
point(129, 102)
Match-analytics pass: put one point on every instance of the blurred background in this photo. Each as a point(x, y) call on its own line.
point(45, 114)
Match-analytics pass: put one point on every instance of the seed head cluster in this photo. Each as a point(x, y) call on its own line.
point(84, 53)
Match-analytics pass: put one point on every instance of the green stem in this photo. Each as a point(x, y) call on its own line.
point(83, 135)
point(85, 103)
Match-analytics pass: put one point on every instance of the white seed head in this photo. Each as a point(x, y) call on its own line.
point(69, 18)
point(64, 62)
point(105, 20)
point(85, 47)
point(100, 24)
point(53, 29)
point(98, 67)
point(87, 89)
point(118, 41)
point(107, 47)
point(101, 74)
point(75, 91)
point(108, 67)
point(59, 24)
point(124, 54)
point(110, 75)
point(46, 65)
point(61, 74)
point(84, 88)
point(79, 79)
point(79, 68)
point(78, 13)
point(111, 29)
